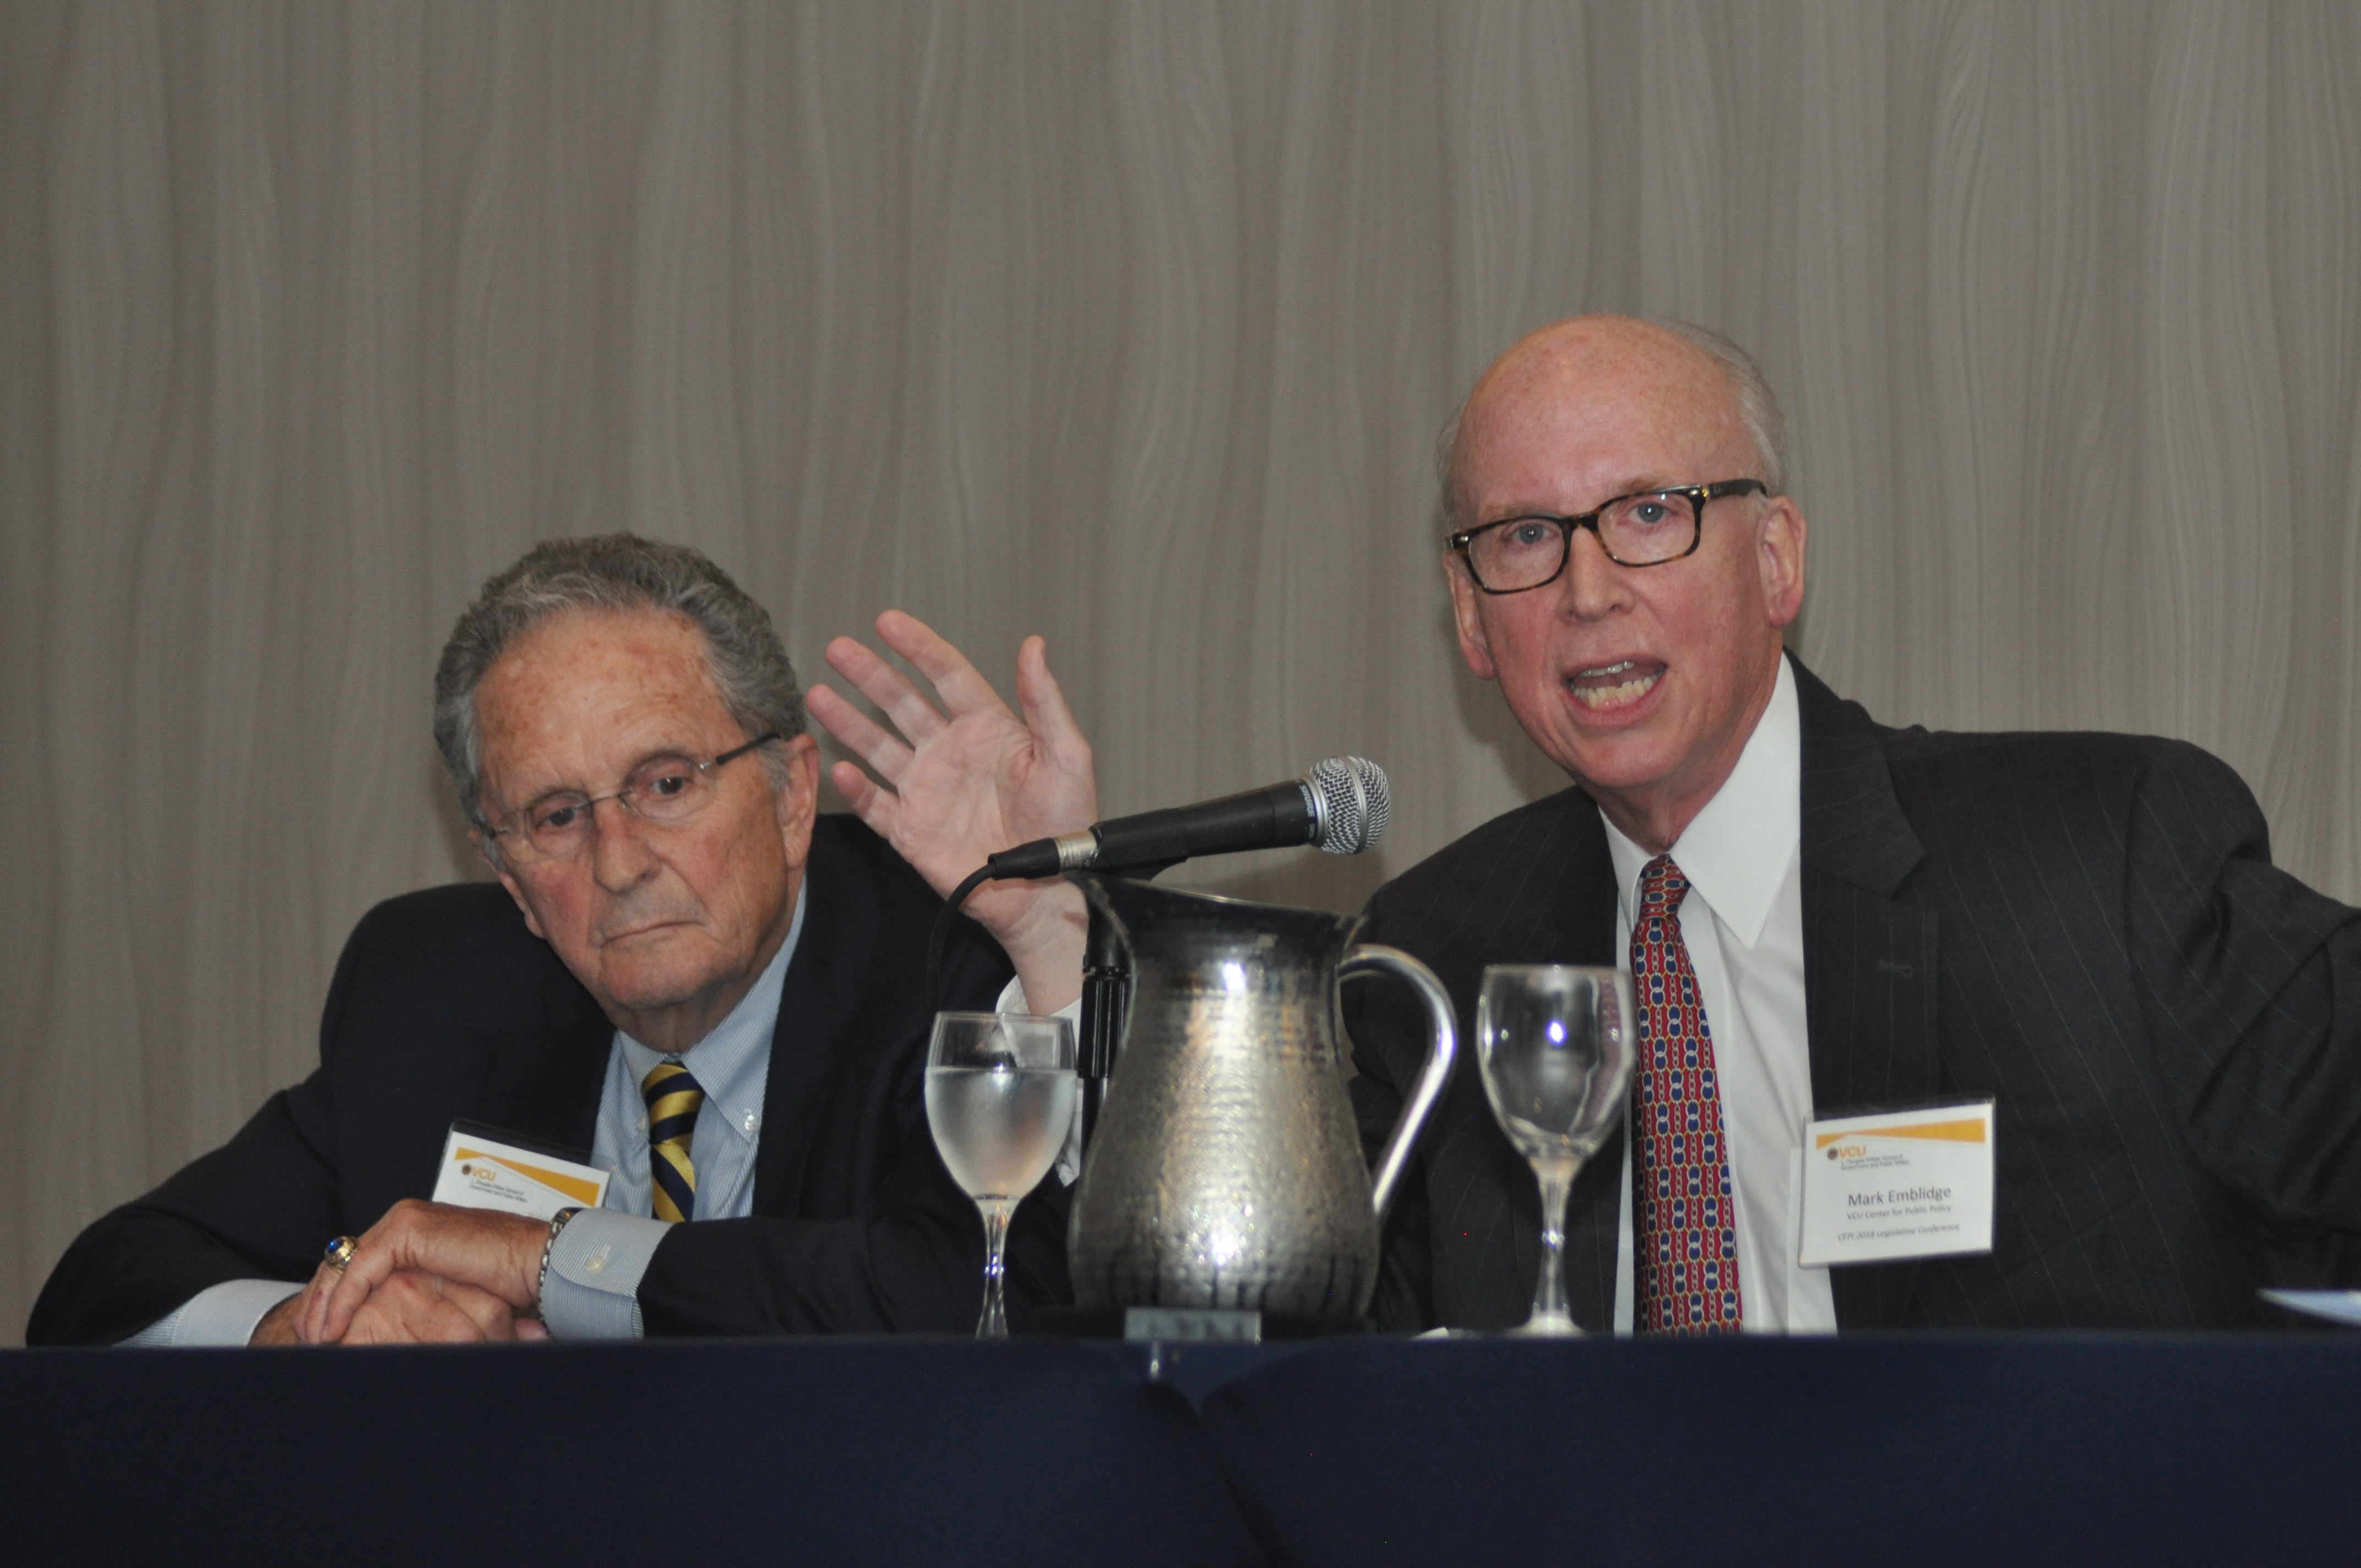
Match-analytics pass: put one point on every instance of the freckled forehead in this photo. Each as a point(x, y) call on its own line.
point(585, 694)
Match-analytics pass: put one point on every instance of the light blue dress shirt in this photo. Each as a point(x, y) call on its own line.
point(592, 1290)
point(594, 1269)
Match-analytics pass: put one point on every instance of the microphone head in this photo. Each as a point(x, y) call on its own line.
point(1350, 803)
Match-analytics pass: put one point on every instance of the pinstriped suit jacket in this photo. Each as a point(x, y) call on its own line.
point(2087, 927)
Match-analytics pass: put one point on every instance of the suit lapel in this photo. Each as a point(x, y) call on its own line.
point(547, 1085)
point(1869, 959)
point(1870, 980)
point(816, 1014)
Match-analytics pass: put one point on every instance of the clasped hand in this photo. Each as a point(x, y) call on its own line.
point(425, 1274)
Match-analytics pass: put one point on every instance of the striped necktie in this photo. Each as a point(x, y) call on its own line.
point(673, 1097)
point(1688, 1222)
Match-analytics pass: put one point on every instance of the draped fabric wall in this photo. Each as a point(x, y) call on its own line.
point(1131, 325)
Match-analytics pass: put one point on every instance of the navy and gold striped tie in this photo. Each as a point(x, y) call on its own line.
point(673, 1097)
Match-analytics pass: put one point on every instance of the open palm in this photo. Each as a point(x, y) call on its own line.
point(956, 784)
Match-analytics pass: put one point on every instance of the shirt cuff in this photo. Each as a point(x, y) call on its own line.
point(224, 1314)
point(595, 1268)
point(1069, 1158)
point(1012, 1000)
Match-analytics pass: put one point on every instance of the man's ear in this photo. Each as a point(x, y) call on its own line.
point(476, 841)
point(1474, 646)
point(796, 802)
point(1779, 538)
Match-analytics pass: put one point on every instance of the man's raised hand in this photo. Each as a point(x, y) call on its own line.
point(965, 780)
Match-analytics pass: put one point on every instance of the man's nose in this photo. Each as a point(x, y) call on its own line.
point(620, 856)
point(1593, 584)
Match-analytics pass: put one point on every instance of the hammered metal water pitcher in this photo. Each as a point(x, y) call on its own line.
point(1226, 1170)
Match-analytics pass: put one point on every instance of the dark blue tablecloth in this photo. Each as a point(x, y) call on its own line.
point(2030, 1449)
point(1916, 1450)
point(661, 1455)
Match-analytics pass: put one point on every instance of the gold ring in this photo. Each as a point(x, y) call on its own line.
point(340, 1252)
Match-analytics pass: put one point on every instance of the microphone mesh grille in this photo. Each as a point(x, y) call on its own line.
point(1356, 802)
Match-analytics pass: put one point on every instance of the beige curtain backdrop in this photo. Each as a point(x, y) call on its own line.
point(1132, 324)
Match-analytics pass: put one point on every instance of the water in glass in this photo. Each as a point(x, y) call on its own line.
point(1000, 1098)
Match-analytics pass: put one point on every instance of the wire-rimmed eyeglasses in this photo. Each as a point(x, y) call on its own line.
point(667, 790)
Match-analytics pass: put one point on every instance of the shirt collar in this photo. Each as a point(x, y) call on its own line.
point(732, 1064)
point(1735, 851)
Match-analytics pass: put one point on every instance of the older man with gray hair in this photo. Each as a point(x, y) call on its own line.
point(684, 972)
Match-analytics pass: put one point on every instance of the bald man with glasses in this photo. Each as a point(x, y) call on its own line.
point(2069, 951)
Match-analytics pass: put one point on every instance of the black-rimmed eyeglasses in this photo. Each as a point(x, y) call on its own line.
point(1647, 529)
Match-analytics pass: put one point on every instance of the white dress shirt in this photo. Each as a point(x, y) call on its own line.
point(1743, 925)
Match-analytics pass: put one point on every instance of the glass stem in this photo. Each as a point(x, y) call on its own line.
point(993, 1325)
point(1549, 1291)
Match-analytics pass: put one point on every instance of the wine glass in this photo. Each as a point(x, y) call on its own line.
point(1000, 1096)
point(1555, 1043)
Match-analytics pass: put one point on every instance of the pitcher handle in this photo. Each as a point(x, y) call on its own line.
point(1371, 957)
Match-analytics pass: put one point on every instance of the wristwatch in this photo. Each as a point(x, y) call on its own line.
point(540, 1280)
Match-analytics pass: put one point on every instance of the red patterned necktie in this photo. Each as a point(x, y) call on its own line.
point(1688, 1222)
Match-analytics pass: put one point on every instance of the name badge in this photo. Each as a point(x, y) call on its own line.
point(484, 1170)
point(1896, 1184)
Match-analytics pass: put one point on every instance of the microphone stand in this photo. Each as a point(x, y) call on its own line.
point(1107, 997)
point(1106, 982)
point(1106, 1002)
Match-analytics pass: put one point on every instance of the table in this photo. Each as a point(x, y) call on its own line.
point(659, 1456)
point(1926, 1449)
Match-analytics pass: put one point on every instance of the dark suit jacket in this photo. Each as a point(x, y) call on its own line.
point(445, 1006)
point(2086, 927)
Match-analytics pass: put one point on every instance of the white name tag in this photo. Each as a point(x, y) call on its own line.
point(481, 1172)
point(1898, 1184)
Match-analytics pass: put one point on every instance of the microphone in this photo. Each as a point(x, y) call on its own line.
point(1341, 805)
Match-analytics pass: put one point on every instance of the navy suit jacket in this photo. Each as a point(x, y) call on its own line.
point(2086, 927)
point(444, 1005)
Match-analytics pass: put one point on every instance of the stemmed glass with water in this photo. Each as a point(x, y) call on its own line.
point(1555, 1043)
point(1000, 1098)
